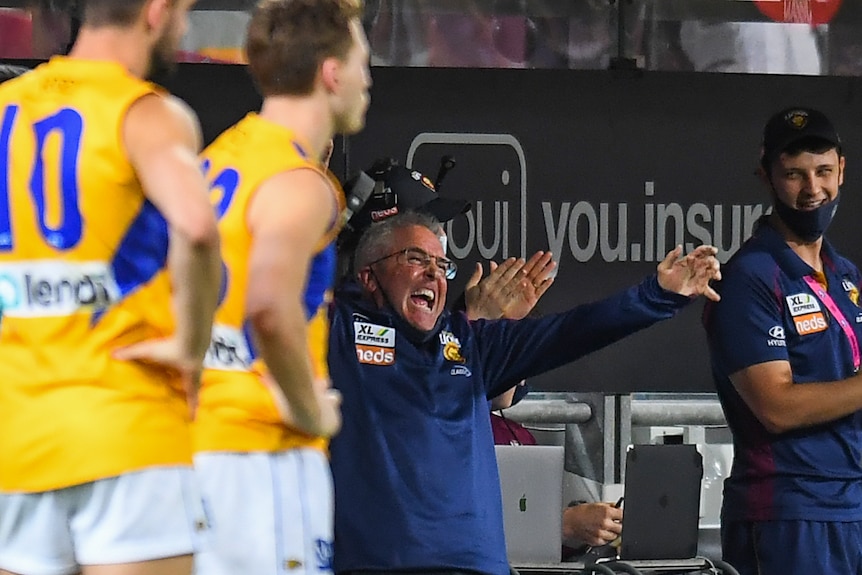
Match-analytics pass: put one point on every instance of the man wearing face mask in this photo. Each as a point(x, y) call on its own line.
point(784, 343)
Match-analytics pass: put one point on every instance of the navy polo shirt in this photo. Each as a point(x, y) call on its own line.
point(769, 312)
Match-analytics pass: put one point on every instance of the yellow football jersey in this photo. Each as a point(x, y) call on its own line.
point(237, 410)
point(82, 260)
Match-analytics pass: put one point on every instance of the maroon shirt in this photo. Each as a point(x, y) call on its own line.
point(508, 432)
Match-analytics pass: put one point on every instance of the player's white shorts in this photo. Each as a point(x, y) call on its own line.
point(150, 514)
point(269, 513)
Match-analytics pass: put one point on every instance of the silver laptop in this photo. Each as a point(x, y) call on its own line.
point(531, 481)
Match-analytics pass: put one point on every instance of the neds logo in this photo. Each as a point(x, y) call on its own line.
point(811, 323)
point(374, 355)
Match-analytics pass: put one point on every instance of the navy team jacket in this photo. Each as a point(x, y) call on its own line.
point(416, 484)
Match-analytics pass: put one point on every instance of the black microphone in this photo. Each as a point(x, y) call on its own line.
point(446, 165)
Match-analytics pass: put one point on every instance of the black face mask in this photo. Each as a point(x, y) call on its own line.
point(810, 224)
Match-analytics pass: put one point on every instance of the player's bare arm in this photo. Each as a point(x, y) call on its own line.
point(288, 217)
point(162, 137)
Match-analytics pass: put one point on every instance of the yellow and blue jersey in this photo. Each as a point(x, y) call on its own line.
point(237, 410)
point(82, 259)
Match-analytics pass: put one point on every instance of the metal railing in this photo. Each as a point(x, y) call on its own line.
point(644, 412)
point(598, 427)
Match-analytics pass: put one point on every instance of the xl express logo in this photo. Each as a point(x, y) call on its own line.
point(802, 303)
point(805, 311)
point(375, 344)
point(55, 288)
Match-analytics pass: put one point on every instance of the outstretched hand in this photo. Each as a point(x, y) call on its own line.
point(690, 275)
point(511, 290)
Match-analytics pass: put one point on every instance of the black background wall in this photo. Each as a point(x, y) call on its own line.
point(609, 171)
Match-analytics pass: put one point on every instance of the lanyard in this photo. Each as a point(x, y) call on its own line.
point(836, 313)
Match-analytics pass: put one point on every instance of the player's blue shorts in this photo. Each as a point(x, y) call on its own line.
point(793, 547)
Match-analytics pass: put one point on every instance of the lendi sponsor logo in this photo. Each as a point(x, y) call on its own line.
point(811, 323)
point(228, 350)
point(373, 334)
point(802, 303)
point(55, 288)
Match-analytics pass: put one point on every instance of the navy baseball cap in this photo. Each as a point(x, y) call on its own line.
point(794, 124)
point(399, 189)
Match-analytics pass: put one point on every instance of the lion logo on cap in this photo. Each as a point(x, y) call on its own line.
point(797, 119)
point(422, 179)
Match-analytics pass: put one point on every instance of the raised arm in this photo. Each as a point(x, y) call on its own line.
point(521, 349)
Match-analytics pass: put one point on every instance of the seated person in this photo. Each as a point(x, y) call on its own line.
point(506, 431)
point(588, 525)
point(585, 525)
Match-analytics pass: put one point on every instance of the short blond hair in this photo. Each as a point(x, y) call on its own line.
point(288, 40)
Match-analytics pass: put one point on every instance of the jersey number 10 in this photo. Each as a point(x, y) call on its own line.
point(68, 125)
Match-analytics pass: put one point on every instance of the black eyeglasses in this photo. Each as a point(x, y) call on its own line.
point(419, 258)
